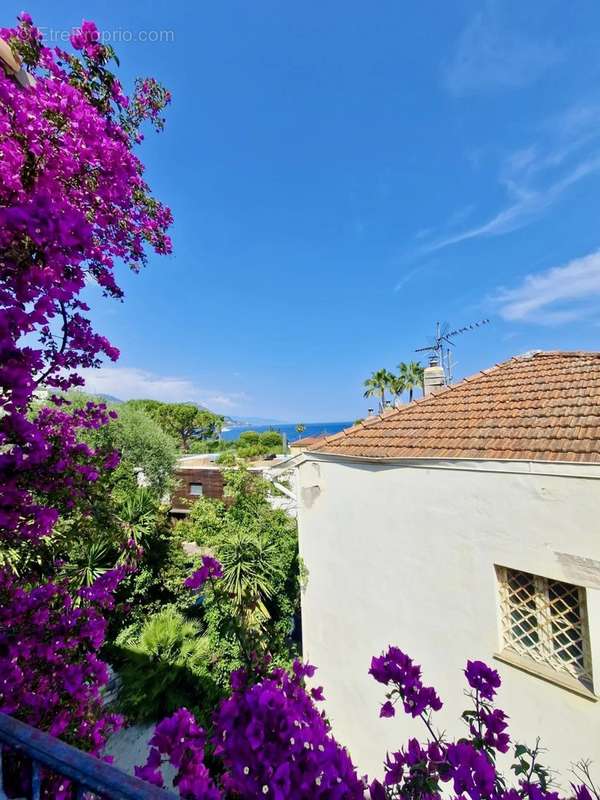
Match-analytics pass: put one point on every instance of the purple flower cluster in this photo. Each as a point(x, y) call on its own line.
point(415, 769)
point(468, 765)
point(73, 202)
point(50, 674)
point(270, 740)
point(274, 743)
point(180, 741)
point(470, 770)
point(494, 727)
point(87, 39)
point(483, 679)
point(211, 569)
point(396, 669)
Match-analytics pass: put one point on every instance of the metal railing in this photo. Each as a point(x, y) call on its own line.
point(87, 773)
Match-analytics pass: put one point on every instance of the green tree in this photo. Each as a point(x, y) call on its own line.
point(137, 514)
point(300, 428)
point(250, 562)
point(258, 602)
point(121, 511)
point(183, 421)
point(148, 453)
point(249, 438)
point(376, 385)
point(411, 375)
point(271, 440)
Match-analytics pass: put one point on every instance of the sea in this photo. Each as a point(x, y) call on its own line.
point(310, 429)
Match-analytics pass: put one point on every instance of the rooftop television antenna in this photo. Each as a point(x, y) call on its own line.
point(440, 347)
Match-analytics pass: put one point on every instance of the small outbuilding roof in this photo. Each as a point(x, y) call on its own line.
point(536, 407)
point(308, 441)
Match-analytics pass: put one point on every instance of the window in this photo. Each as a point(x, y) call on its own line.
point(546, 621)
point(196, 489)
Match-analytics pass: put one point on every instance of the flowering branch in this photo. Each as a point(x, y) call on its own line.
point(65, 328)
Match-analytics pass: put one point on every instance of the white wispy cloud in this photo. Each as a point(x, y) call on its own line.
point(527, 204)
point(554, 296)
point(128, 383)
point(491, 54)
point(535, 177)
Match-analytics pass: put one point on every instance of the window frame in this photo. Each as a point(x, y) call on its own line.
point(541, 659)
point(196, 494)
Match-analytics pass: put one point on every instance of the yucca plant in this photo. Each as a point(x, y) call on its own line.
point(89, 561)
point(137, 514)
point(250, 565)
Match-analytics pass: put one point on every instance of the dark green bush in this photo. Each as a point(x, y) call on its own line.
point(249, 438)
point(271, 439)
point(164, 667)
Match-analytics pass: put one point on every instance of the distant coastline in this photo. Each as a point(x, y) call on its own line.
point(289, 429)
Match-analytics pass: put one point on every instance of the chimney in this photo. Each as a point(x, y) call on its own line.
point(433, 377)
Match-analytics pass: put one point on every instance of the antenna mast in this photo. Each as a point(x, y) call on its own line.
point(440, 350)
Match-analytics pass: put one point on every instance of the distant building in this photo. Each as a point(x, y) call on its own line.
point(304, 444)
point(196, 476)
point(200, 476)
point(463, 525)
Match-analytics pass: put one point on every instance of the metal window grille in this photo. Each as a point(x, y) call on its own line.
point(546, 620)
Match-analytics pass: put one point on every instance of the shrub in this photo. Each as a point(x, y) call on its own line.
point(249, 438)
point(272, 440)
point(164, 667)
point(227, 459)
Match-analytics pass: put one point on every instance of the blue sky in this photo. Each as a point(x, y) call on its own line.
point(344, 174)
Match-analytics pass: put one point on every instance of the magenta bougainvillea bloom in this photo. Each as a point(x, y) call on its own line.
point(179, 741)
point(73, 205)
point(395, 667)
point(210, 569)
point(482, 678)
point(422, 771)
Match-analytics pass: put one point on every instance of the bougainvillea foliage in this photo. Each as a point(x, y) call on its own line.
point(73, 206)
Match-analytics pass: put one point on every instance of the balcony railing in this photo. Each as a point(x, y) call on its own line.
point(89, 775)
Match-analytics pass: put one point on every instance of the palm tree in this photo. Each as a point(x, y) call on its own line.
point(376, 385)
point(411, 375)
point(396, 387)
point(300, 428)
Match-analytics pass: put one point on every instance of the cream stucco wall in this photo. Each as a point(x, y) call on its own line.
point(404, 554)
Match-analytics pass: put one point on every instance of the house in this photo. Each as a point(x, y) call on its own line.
point(201, 476)
point(463, 525)
point(196, 476)
point(302, 445)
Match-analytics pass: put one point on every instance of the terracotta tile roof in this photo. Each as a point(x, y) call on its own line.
point(308, 440)
point(540, 407)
